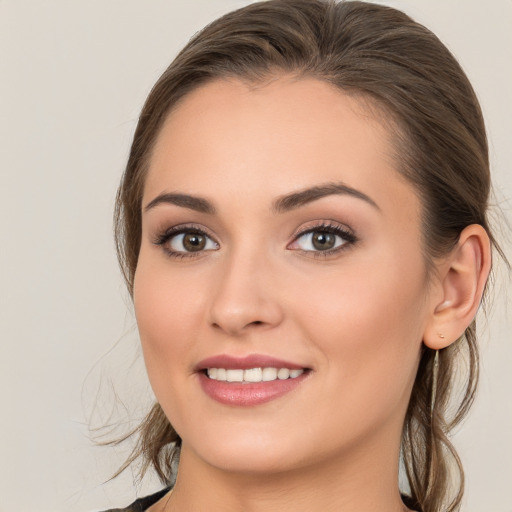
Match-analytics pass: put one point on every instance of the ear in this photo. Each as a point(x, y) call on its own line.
point(457, 293)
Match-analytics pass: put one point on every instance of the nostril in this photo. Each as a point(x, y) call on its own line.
point(216, 325)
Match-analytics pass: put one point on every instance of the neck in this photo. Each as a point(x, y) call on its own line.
point(363, 480)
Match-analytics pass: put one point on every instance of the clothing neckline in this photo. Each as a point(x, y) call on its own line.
point(142, 504)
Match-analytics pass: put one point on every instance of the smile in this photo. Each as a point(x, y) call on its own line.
point(251, 380)
point(251, 375)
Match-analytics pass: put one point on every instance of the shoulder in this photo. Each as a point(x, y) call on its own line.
point(141, 504)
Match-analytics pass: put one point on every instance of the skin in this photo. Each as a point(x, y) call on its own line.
point(356, 318)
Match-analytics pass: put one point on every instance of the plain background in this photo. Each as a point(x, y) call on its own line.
point(74, 75)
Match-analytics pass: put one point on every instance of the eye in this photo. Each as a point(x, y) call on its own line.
point(324, 239)
point(190, 242)
point(185, 241)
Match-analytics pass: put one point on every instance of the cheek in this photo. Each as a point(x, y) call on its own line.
point(367, 325)
point(361, 298)
point(167, 320)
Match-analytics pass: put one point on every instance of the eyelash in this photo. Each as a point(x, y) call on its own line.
point(324, 227)
point(168, 234)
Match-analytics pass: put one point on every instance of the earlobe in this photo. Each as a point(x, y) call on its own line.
point(462, 279)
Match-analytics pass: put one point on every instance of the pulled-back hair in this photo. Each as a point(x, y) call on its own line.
point(419, 90)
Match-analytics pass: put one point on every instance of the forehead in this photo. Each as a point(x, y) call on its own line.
point(230, 136)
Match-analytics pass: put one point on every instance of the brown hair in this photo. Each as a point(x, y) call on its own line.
point(380, 54)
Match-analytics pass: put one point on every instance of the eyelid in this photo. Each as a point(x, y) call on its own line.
point(180, 228)
point(323, 224)
point(162, 237)
point(329, 226)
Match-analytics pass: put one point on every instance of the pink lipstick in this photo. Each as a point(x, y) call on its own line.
point(250, 380)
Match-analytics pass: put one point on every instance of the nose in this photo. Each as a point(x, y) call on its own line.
point(245, 296)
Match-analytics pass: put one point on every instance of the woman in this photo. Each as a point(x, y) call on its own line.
point(302, 226)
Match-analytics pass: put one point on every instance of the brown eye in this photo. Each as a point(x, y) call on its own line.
point(322, 240)
point(189, 241)
point(194, 242)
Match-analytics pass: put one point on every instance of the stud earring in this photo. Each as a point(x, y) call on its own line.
point(441, 335)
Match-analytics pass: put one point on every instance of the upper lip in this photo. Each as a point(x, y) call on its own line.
point(245, 363)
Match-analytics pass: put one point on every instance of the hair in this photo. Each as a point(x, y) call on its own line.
point(381, 55)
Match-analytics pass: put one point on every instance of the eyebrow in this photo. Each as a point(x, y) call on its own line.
point(303, 197)
point(198, 204)
point(281, 204)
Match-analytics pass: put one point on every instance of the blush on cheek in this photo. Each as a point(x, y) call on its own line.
point(151, 320)
point(373, 332)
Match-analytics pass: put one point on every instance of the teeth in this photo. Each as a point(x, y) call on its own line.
point(253, 374)
point(235, 375)
point(283, 374)
point(269, 374)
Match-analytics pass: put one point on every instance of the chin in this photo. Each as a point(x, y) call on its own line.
point(249, 453)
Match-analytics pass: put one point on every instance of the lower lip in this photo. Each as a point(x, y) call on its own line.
point(247, 394)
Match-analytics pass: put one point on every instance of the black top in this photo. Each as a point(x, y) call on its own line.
point(143, 504)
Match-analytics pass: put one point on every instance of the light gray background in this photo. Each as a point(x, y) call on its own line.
point(73, 77)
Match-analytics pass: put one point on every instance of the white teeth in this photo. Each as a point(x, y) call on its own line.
point(252, 374)
point(235, 375)
point(269, 374)
point(283, 374)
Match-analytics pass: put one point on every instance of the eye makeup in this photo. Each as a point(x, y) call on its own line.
point(328, 233)
point(323, 239)
point(195, 241)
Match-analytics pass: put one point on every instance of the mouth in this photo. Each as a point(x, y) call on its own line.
point(250, 380)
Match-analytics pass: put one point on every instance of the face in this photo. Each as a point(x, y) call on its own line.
point(280, 248)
